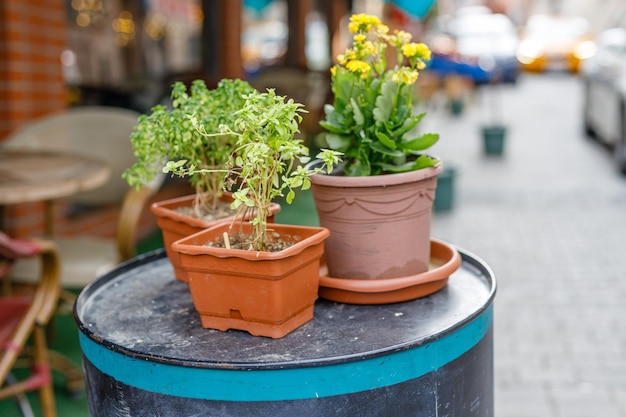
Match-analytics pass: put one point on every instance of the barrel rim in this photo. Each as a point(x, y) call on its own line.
point(468, 259)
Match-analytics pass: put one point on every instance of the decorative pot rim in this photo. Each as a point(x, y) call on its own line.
point(383, 180)
point(190, 246)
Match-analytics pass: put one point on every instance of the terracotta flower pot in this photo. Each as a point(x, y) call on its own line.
point(379, 225)
point(175, 225)
point(264, 293)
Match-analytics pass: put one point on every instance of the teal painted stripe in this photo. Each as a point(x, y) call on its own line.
point(292, 383)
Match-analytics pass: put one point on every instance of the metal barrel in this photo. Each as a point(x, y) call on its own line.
point(146, 354)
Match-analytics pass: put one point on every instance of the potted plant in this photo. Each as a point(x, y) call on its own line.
point(494, 131)
point(169, 135)
point(444, 200)
point(245, 274)
point(378, 207)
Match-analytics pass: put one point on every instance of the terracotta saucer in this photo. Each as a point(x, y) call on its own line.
point(444, 260)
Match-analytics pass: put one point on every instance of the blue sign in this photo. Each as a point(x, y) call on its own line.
point(416, 8)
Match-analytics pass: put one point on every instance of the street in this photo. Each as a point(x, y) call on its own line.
point(549, 217)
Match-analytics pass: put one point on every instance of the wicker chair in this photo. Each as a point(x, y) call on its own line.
point(103, 132)
point(24, 316)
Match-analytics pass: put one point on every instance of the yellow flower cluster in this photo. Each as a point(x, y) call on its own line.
point(405, 75)
point(418, 50)
point(362, 23)
point(360, 67)
point(368, 56)
point(399, 38)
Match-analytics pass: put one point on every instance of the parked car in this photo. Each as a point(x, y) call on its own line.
point(555, 43)
point(604, 75)
point(480, 45)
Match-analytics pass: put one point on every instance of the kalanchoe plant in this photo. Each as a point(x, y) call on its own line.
point(372, 120)
point(169, 134)
point(267, 161)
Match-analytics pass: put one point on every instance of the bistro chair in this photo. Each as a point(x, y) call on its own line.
point(24, 316)
point(102, 132)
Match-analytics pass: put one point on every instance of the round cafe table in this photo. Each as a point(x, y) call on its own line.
point(27, 176)
point(30, 175)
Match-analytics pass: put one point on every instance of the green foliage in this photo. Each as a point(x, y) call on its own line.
point(267, 159)
point(372, 120)
point(170, 135)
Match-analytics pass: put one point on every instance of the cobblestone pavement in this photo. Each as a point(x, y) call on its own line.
point(549, 217)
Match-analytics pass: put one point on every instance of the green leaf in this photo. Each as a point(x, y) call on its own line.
point(334, 128)
point(396, 168)
point(338, 142)
point(386, 141)
point(408, 124)
point(358, 115)
point(384, 102)
point(424, 161)
point(360, 167)
point(420, 143)
point(290, 196)
point(378, 147)
point(173, 165)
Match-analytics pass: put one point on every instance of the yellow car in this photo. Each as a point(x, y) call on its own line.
point(555, 43)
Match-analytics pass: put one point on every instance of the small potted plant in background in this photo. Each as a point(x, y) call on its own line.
point(378, 207)
point(494, 131)
point(169, 135)
point(246, 274)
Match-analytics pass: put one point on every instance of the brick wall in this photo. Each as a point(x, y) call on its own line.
point(32, 37)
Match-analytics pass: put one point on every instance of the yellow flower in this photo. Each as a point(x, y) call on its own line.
point(422, 51)
point(405, 75)
point(411, 77)
point(359, 38)
point(409, 50)
point(416, 52)
point(333, 70)
point(382, 29)
point(403, 37)
point(358, 66)
point(341, 59)
point(369, 48)
point(362, 23)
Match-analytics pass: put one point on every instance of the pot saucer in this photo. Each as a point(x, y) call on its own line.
point(444, 260)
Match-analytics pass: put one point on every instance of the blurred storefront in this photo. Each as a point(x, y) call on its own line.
point(119, 52)
point(127, 53)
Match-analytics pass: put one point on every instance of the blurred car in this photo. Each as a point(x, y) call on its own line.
point(479, 44)
point(555, 43)
point(604, 80)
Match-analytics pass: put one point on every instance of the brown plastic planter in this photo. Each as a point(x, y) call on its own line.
point(379, 225)
point(264, 293)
